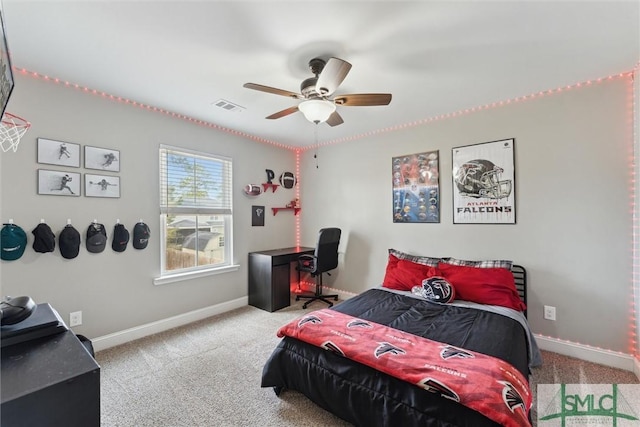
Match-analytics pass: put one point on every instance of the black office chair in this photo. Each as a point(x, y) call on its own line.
point(325, 258)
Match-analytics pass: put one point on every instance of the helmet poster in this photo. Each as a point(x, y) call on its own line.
point(416, 187)
point(483, 183)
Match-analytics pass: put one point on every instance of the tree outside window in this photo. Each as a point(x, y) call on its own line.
point(196, 210)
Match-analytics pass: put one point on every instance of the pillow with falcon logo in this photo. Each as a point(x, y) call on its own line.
point(436, 289)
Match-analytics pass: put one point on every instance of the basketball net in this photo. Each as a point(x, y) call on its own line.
point(12, 128)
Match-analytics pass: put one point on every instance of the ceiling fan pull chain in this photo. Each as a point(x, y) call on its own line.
point(315, 155)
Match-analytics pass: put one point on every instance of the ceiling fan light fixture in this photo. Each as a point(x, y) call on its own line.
point(317, 110)
point(315, 93)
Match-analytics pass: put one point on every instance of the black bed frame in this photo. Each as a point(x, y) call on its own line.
point(520, 278)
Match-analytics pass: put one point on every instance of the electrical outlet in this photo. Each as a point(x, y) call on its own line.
point(75, 318)
point(549, 312)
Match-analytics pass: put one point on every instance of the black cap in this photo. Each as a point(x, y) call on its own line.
point(45, 240)
point(96, 238)
point(141, 235)
point(120, 238)
point(69, 242)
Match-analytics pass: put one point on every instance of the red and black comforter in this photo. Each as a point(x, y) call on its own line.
point(365, 396)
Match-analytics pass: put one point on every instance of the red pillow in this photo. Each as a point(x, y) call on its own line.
point(494, 286)
point(404, 275)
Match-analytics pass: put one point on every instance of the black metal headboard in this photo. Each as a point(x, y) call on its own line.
point(520, 277)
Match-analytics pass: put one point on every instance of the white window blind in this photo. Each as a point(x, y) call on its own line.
point(194, 183)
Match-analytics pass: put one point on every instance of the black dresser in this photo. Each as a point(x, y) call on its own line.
point(50, 381)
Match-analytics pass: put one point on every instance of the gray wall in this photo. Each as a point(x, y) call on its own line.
point(115, 290)
point(573, 233)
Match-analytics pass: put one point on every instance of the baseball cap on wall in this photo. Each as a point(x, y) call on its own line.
point(120, 238)
point(141, 235)
point(96, 238)
point(13, 241)
point(69, 242)
point(44, 239)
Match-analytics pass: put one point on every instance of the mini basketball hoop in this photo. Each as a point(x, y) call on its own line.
point(12, 128)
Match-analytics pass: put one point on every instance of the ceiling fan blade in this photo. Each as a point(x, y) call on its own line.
point(273, 90)
point(335, 119)
point(283, 113)
point(333, 73)
point(363, 99)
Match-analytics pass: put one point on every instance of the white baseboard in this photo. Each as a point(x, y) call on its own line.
point(590, 354)
point(121, 337)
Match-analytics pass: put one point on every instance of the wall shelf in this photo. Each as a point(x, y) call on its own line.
point(274, 187)
point(295, 210)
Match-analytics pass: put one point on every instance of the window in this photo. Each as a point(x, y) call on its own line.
point(195, 209)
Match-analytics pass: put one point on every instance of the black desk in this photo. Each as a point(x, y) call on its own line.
point(50, 381)
point(269, 276)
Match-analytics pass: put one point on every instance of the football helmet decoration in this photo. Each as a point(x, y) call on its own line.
point(481, 178)
point(435, 289)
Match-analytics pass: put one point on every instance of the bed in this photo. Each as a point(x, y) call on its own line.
point(371, 393)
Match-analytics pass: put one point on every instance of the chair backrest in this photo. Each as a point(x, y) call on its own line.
point(327, 249)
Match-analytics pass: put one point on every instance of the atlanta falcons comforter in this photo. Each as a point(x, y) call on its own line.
point(372, 391)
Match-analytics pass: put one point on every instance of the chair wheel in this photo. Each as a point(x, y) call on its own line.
point(297, 298)
point(304, 305)
point(336, 298)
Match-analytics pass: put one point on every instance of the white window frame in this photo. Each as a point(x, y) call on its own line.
point(226, 211)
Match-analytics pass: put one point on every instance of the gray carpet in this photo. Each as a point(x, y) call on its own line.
point(208, 374)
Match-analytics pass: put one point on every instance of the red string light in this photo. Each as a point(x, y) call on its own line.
point(634, 116)
point(297, 195)
point(496, 104)
point(632, 133)
point(126, 101)
point(635, 289)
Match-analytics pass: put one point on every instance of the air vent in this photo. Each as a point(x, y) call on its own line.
point(229, 106)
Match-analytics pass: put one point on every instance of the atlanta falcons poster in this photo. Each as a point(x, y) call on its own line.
point(484, 183)
point(416, 188)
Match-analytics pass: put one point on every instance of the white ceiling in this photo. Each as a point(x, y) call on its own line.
point(435, 57)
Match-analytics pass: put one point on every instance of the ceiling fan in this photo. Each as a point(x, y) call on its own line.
point(318, 106)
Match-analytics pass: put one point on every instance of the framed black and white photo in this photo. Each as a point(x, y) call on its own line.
point(484, 183)
point(101, 185)
point(6, 73)
point(257, 216)
point(59, 153)
point(101, 158)
point(416, 188)
point(58, 183)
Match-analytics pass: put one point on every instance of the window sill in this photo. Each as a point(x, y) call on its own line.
point(179, 277)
